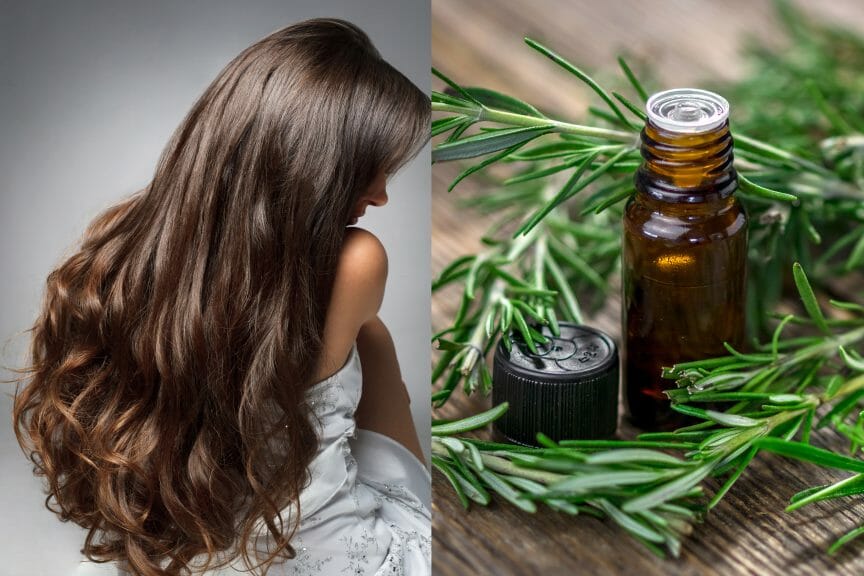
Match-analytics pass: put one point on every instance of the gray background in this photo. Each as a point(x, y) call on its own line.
point(89, 94)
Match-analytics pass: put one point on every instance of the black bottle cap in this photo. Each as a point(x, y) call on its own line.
point(568, 390)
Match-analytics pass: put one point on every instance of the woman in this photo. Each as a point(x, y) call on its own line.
point(197, 364)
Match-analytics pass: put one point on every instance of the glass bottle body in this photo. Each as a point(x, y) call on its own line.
point(684, 263)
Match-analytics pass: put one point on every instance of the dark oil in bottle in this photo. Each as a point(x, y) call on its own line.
point(684, 250)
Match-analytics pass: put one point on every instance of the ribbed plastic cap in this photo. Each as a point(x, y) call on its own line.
point(568, 390)
point(687, 110)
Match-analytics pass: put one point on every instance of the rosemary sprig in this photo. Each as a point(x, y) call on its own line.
point(795, 203)
point(516, 285)
point(555, 240)
point(772, 396)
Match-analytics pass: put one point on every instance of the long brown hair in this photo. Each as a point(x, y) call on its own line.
point(164, 394)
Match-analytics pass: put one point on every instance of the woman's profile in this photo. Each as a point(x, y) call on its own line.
point(210, 388)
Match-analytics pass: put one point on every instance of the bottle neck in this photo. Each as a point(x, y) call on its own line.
point(686, 168)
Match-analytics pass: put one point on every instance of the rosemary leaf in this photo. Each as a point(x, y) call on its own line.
point(486, 143)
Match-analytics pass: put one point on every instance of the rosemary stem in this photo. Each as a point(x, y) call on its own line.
point(778, 153)
point(819, 349)
point(478, 334)
point(504, 466)
point(469, 361)
point(849, 387)
point(827, 188)
point(539, 264)
point(785, 416)
point(521, 244)
point(513, 119)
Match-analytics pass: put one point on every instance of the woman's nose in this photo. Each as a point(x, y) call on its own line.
point(379, 199)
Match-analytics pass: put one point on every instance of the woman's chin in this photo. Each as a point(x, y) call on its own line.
point(353, 221)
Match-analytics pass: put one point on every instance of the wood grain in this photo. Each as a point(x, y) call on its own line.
point(480, 42)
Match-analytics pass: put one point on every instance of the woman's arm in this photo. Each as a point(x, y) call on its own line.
point(358, 291)
point(384, 406)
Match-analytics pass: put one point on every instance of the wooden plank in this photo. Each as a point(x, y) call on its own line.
point(480, 43)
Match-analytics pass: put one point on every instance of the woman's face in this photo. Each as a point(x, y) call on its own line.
point(375, 195)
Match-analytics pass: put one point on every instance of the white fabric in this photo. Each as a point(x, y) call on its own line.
point(367, 508)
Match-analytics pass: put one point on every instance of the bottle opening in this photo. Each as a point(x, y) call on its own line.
point(687, 110)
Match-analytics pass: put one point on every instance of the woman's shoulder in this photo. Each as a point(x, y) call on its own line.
point(363, 257)
point(356, 297)
point(362, 269)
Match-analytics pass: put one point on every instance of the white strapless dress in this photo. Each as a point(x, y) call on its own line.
point(367, 508)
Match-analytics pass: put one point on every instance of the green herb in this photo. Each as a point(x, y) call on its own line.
point(799, 198)
point(656, 496)
point(554, 247)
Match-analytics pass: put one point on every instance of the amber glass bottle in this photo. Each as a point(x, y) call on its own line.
point(684, 249)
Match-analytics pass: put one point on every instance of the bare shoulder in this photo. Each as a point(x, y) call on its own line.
point(358, 291)
point(363, 257)
point(362, 271)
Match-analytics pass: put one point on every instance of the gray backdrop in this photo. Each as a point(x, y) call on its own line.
point(89, 94)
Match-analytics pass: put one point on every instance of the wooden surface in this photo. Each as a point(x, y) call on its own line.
point(480, 42)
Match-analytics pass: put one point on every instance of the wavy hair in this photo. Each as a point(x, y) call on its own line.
point(163, 400)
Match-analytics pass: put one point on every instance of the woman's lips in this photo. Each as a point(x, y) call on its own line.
point(357, 217)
